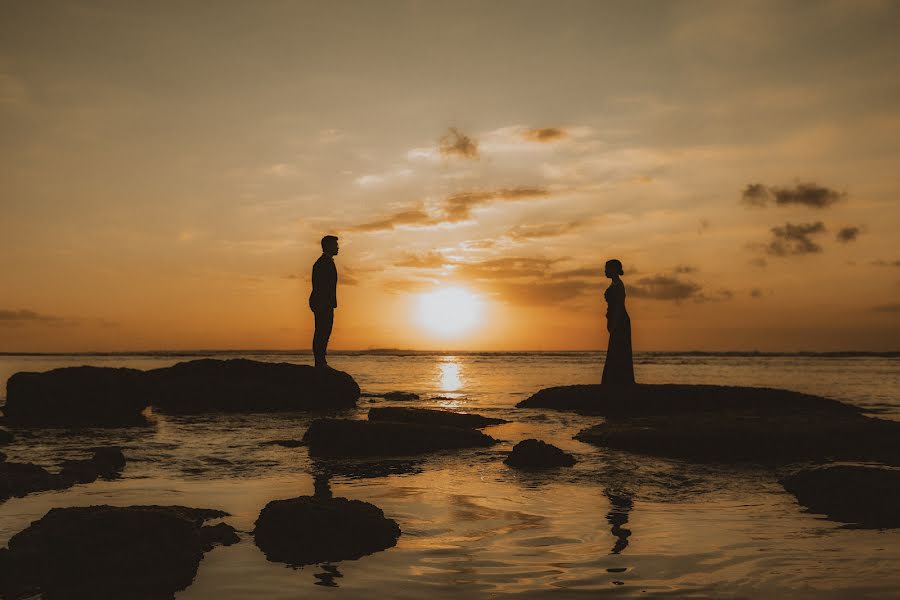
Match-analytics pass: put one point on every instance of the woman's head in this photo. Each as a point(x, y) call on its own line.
point(613, 268)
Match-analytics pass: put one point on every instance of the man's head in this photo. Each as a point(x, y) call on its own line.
point(330, 245)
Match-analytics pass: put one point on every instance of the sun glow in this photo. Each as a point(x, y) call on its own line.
point(449, 311)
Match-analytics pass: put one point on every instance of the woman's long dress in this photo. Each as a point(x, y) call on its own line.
point(618, 368)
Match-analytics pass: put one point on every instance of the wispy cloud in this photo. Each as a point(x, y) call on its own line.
point(456, 143)
point(795, 239)
point(888, 308)
point(18, 317)
point(885, 263)
point(664, 287)
point(452, 209)
point(545, 230)
point(544, 134)
point(848, 234)
point(812, 195)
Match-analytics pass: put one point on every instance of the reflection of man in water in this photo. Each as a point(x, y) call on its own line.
point(323, 299)
point(620, 505)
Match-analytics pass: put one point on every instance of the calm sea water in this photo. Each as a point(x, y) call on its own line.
point(616, 523)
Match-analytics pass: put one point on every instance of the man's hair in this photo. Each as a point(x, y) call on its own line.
point(328, 239)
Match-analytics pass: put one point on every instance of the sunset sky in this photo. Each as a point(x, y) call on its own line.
point(168, 168)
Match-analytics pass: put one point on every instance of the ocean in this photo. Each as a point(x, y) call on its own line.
point(617, 523)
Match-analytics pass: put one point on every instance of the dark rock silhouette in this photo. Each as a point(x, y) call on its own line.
point(396, 396)
point(110, 552)
point(866, 496)
point(100, 396)
point(240, 385)
point(2, 457)
point(106, 463)
point(536, 454)
point(314, 529)
point(427, 416)
point(284, 443)
point(344, 437)
point(679, 399)
point(21, 479)
point(76, 396)
point(6, 436)
point(766, 440)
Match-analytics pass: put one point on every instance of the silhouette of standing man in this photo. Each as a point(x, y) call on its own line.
point(323, 299)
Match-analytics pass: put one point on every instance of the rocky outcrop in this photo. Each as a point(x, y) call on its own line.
point(110, 552)
point(106, 463)
point(240, 385)
point(425, 416)
point(313, 529)
point(76, 397)
point(107, 397)
point(536, 454)
point(21, 479)
point(866, 496)
point(655, 400)
point(735, 438)
point(344, 437)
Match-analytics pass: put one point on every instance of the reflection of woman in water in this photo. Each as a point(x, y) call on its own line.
point(618, 368)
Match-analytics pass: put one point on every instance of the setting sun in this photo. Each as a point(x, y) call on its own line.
point(449, 311)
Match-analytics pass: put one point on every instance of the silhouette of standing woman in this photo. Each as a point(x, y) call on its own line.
point(618, 368)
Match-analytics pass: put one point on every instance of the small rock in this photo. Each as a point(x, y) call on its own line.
point(535, 454)
point(345, 437)
point(2, 457)
point(427, 416)
point(867, 496)
point(309, 530)
point(6, 436)
point(106, 463)
point(285, 443)
point(221, 534)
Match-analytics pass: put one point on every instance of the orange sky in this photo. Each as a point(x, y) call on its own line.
point(166, 172)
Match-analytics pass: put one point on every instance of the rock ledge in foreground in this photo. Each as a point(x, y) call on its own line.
point(866, 496)
point(312, 529)
point(110, 552)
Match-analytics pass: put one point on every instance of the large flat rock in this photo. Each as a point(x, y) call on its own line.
point(345, 437)
point(103, 551)
point(427, 416)
point(653, 400)
point(76, 396)
point(311, 529)
point(735, 438)
point(865, 496)
point(240, 385)
point(102, 396)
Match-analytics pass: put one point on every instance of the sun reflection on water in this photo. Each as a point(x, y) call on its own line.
point(450, 374)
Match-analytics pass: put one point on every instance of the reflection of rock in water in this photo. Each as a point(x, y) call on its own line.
point(328, 576)
point(620, 505)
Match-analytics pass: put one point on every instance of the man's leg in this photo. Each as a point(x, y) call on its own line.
point(324, 324)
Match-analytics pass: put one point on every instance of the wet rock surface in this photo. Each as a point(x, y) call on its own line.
point(536, 454)
point(866, 496)
point(21, 479)
point(314, 529)
point(730, 438)
point(344, 437)
point(240, 385)
point(109, 552)
point(654, 400)
point(427, 416)
point(76, 397)
point(110, 397)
